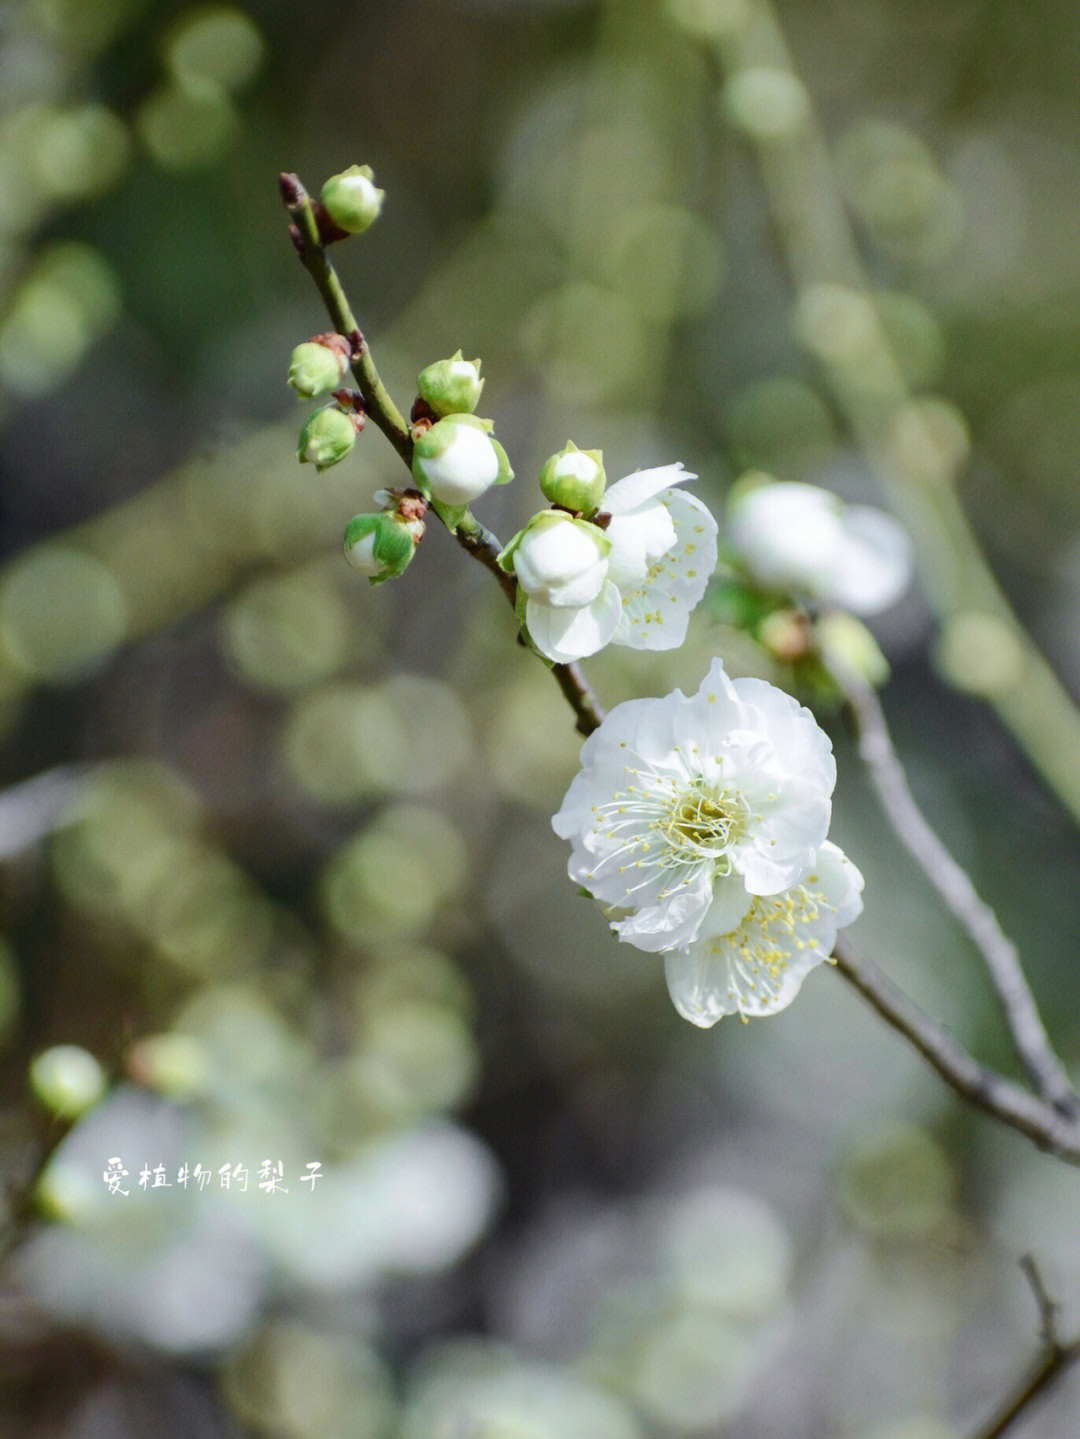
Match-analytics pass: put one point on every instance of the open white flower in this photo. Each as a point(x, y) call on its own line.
point(660, 550)
point(793, 536)
point(687, 808)
point(663, 553)
point(757, 966)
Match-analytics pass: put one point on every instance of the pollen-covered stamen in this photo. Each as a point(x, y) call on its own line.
point(671, 826)
point(774, 931)
point(704, 822)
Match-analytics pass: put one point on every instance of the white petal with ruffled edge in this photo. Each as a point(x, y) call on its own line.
point(758, 966)
point(642, 486)
point(657, 610)
point(565, 635)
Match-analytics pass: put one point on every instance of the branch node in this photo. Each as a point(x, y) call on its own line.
point(1047, 1308)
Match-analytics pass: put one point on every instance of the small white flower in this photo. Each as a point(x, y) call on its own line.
point(663, 553)
point(561, 561)
point(687, 808)
point(796, 536)
point(456, 460)
point(757, 966)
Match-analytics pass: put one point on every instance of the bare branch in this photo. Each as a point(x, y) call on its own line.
point(1000, 1098)
point(1055, 1359)
point(954, 886)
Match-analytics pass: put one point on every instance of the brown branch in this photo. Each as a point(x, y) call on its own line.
point(470, 534)
point(1055, 1359)
point(1027, 1113)
point(954, 885)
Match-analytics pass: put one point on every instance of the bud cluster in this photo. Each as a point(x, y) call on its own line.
point(382, 545)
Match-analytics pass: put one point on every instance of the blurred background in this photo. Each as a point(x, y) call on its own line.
point(275, 847)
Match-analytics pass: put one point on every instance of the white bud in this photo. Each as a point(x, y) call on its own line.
point(559, 560)
point(456, 460)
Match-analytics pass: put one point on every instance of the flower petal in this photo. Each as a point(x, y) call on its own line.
point(875, 562)
point(633, 490)
point(758, 968)
point(565, 635)
point(638, 539)
point(656, 612)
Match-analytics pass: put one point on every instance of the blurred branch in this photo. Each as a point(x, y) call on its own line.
point(954, 886)
point(471, 535)
point(986, 1090)
point(31, 810)
point(1056, 1357)
point(892, 431)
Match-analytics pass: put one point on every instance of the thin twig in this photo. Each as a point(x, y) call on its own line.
point(981, 1087)
point(470, 534)
point(1055, 1358)
point(310, 248)
point(954, 885)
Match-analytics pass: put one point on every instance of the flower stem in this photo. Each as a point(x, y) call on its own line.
point(1055, 1358)
point(309, 246)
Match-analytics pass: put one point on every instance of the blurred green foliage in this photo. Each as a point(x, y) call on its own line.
point(276, 847)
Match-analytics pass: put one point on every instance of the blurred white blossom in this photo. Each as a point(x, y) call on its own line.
point(793, 536)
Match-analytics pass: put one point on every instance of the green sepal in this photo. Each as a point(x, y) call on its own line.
point(451, 515)
point(505, 474)
point(505, 558)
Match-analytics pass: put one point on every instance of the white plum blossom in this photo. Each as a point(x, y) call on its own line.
point(793, 536)
point(660, 553)
point(687, 809)
point(571, 607)
point(757, 966)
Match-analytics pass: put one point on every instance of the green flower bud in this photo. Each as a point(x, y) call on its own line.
point(380, 546)
point(327, 436)
point(67, 1079)
point(351, 199)
point(451, 387)
point(574, 479)
point(456, 460)
point(316, 369)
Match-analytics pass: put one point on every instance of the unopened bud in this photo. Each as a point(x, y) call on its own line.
point(67, 1079)
point(559, 560)
point(456, 460)
point(327, 436)
point(317, 368)
point(352, 199)
point(451, 387)
point(381, 546)
point(787, 635)
point(176, 1065)
point(574, 479)
point(847, 644)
